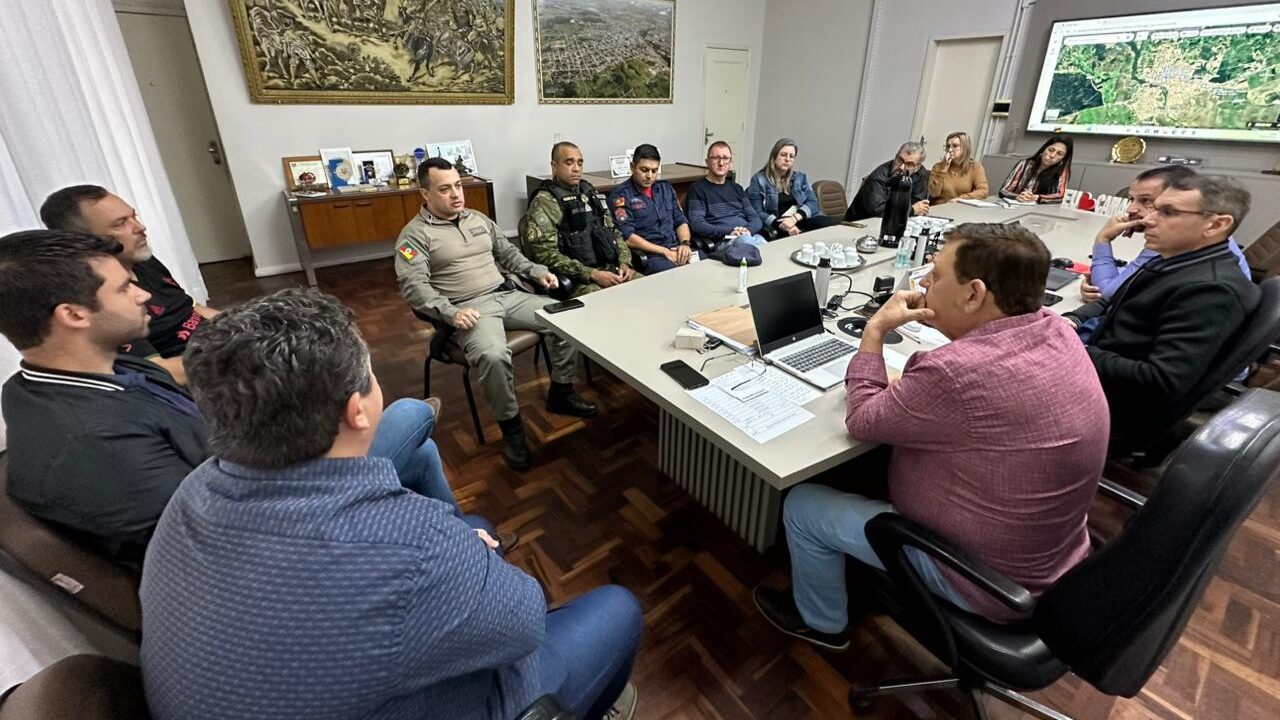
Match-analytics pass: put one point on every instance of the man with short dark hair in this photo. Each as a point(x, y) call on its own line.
point(450, 263)
point(720, 214)
point(174, 315)
point(1162, 329)
point(1105, 274)
point(975, 455)
point(570, 231)
point(98, 442)
point(648, 215)
point(291, 576)
point(871, 198)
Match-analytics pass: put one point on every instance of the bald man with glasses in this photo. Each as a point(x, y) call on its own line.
point(1158, 335)
point(719, 213)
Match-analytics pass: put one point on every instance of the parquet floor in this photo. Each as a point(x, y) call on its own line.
point(595, 509)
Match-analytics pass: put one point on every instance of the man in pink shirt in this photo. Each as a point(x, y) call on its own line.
point(998, 438)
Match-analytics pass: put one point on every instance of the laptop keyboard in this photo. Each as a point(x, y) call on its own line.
point(818, 355)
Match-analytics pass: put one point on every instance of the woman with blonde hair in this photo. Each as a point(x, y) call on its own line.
point(958, 174)
point(783, 197)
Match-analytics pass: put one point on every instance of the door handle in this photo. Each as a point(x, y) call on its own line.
point(706, 135)
point(215, 153)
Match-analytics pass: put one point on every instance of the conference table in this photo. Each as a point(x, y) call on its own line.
point(629, 329)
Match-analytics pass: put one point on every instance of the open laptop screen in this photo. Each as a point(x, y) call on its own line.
point(785, 310)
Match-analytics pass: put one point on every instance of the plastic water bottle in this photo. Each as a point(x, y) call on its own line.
point(902, 260)
point(822, 280)
point(742, 276)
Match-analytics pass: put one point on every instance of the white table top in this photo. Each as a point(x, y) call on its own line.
point(629, 330)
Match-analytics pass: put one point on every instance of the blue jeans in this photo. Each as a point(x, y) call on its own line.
point(823, 525)
point(589, 649)
point(404, 437)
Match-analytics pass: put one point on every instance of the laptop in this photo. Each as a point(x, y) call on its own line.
point(790, 332)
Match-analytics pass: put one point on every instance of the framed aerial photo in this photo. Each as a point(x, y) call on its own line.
point(377, 51)
point(604, 51)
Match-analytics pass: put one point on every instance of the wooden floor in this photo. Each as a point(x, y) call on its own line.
point(595, 509)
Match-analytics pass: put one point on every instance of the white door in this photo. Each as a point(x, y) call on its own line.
point(163, 56)
point(724, 80)
point(956, 91)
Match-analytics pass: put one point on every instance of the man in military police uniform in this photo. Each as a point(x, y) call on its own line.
point(450, 264)
point(648, 216)
point(569, 229)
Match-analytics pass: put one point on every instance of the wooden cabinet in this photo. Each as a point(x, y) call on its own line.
point(340, 219)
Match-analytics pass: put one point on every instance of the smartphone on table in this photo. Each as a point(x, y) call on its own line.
point(683, 373)
point(559, 307)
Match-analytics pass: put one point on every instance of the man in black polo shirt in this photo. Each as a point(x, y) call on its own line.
point(174, 315)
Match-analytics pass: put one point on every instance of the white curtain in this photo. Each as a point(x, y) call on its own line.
point(70, 113)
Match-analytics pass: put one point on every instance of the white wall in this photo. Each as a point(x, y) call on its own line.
point(901, 33)
point(810, 81)
point(510, 141)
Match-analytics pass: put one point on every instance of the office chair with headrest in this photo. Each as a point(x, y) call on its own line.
point(1250, 343)
point(105, 587)
point(1263, 254)
point(1111, 619)
point(831, 199)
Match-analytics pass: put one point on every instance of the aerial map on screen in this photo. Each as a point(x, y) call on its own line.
point(1198, 74)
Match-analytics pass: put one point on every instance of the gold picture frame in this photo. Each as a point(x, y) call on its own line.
point(430, 52)
point(294, 166)
point(628, 42)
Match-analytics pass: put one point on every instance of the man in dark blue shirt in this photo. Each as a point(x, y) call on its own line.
point(648, 216)
point(292, 576)
point(719, 212)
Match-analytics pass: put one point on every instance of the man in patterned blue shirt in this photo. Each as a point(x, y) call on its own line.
point(293, 577)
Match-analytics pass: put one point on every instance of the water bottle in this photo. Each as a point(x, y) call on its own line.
point(922, 247)
point(822, 280)
point(742, 276)
point(902, 260)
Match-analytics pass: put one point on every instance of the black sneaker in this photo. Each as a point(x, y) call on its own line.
point(779, 608)
point(570, 403)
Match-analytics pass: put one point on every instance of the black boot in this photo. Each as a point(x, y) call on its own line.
point(562, 400)
point(515, 448)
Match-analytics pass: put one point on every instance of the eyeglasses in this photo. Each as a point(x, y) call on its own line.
point(1169, 212)
point(720, 158)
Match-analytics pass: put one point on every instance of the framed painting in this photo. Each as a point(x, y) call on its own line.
point(377, 51)
point(604, 51)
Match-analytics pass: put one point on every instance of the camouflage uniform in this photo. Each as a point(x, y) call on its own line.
point(543, 242)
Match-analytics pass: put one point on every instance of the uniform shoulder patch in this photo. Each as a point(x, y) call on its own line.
point(619, 201)
point(407, 252)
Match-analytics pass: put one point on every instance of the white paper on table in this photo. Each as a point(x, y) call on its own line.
point(895, 360)
point(977, 203)
point(924, 334)
point(762, 417)
point(747, 381)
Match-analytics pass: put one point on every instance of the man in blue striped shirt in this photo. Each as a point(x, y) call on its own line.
point(292, 576)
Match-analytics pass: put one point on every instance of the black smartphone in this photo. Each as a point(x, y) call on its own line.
point(554, 308)
point(683, 373)
point(1051, 299)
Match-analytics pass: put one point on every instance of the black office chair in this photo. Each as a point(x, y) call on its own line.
point(1112, 619)
point(1250, 343)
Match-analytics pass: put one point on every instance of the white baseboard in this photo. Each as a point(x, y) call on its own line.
point(269, 270)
